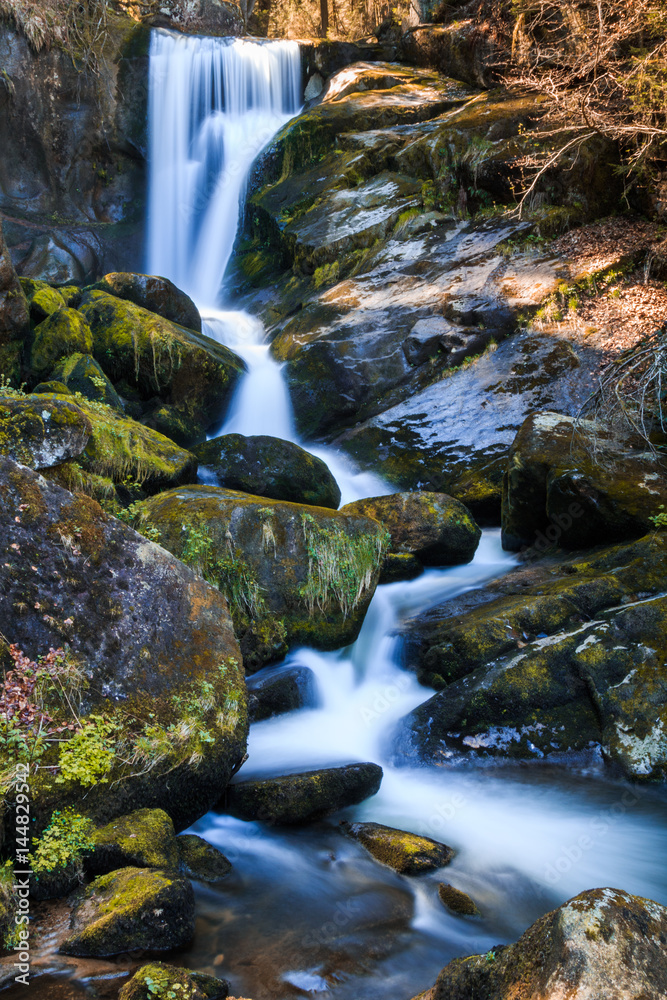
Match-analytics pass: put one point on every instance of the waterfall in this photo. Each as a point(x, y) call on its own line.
point(213, 104)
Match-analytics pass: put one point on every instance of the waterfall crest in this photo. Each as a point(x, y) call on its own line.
point(213, 104)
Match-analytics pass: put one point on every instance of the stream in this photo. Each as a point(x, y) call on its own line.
point(307, 911)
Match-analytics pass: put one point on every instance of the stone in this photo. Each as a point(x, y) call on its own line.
point(407, 853)
point(281, 690)
point(14, 314)
point(400, 566)
point(200, 860)
point(302, 798)
point(42, 299)
point(157, 980)
point(52, 386)
point(184, 378)
point(157, 295)
point(144, 838)
point(293, 574)
point(576, 484)
point(161, 711)
point(42, 431)
point(433, 527)
point(128, 910)
point(268, 467)
point(603, 943)
point(62, 333)
point(81, 373)
point(456, 901)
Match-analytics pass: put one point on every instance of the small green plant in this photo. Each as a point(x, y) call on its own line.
point(659, 521)
point(87, 757)
point(7, 389)
point(64, 842)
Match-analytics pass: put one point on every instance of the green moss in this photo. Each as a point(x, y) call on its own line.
point(405, 852)
point(63, 844)
point(144, 838)
point(340, 568)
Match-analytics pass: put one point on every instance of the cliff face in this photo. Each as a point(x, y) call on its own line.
point(348, 20)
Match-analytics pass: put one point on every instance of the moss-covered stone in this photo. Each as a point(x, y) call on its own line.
point(161, 715)
point(268, 467)
point(457, 901)
point(41, 431)
point(81, 373)
point(200, 860)
point(62, 333)
point(406, 853)
point(144, 838)
point(43, 300)
point(52, 386)
point(400, 566)
point(301, 798)
point(157, 980)
point(434, 527)
point(170, 365)
point(157, 295)
point(601, 940)
point(131, 909)
point(308, 572)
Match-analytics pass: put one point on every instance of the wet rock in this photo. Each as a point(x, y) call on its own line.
point(14, 315)
point(292, 573)
point(131, 909)
point(591, 683)
point(157, 295)
point(144, 838)
point(73, 576)
point(434, 527)
point(281, 690)
point(457, 901)
point(158, 979)
point(301, 798)
point(268, 467)
point(42, 432)
point(62, 333)
point(406, 853)
point(576, 483)
point(187, 376)
point(603, 943)
point(81, 373)
point(200, 860)
point(400, 566)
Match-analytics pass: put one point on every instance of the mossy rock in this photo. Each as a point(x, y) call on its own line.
point(456, 901)
point(42, 431)
point(62, 333)
point(400, 566)
point(157, 980)
point(406, 853)
point(42, 299)
point(601, 942)
point(161, 718)
point(52, 386)
point(308, 572)
point(81, 373)
point(157, 295)
point(577, 484)
point(168, 364)
point(201, 861)
point(293, 799)
point(131, 909)
point(268, 467)
point(144, 838)
point(433, 527)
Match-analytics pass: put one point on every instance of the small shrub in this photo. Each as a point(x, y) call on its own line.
point(67, 837)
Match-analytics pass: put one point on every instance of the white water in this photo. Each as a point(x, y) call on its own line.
point(519, 837)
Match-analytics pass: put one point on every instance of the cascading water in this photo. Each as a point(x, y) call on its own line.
point(308, 912)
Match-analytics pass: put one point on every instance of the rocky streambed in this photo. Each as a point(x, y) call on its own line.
point(401, 740)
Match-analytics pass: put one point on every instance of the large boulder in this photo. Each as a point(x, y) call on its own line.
point(144, 838)
point(290, 572)
point(62, 333)
point(577, 483)
point(407, 853)
point(183, 378)
point(129, 909)
point(603, 943)
point(301, 798)
point(149, 663)
point(575, 666)
point(434, 527)
point(157, 295)
point(81, 374)
point(268, 467)
point(43, 300)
